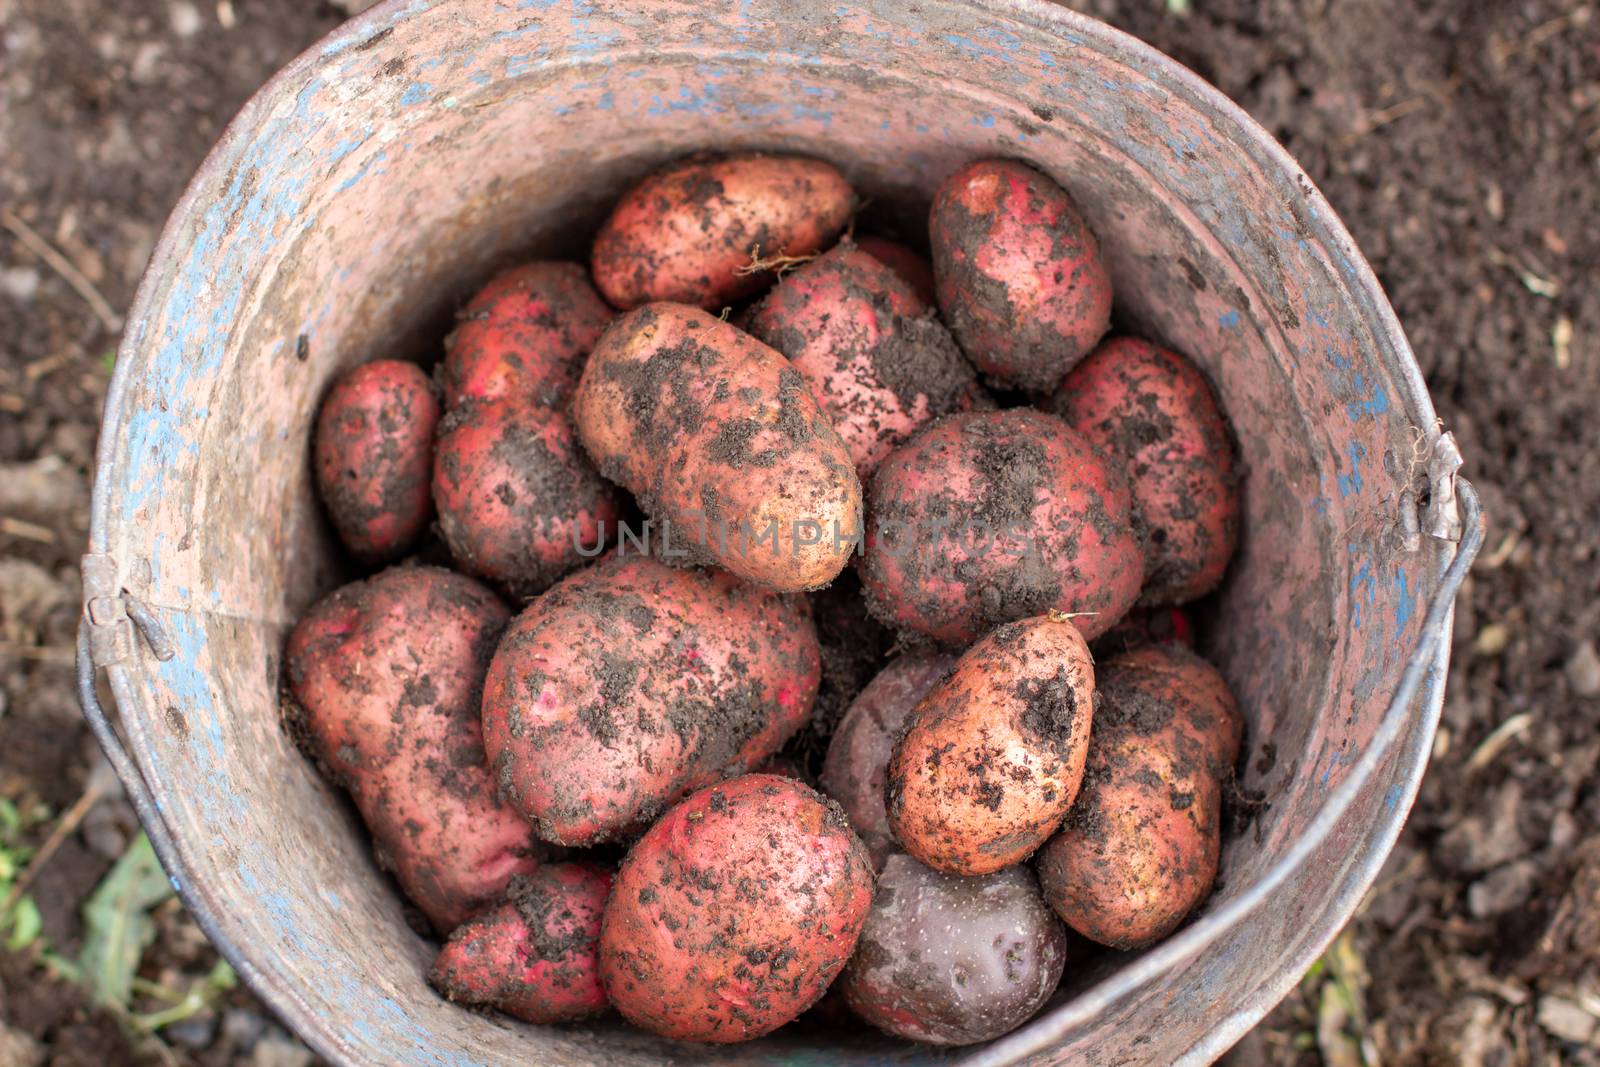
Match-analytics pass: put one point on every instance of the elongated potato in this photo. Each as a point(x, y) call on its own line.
point(388, 673)
point(373, 449)
point(1139, 850)
point(990, 516)
point(1155, 410)
point(524, 335)
point(877, 359)
point(992, 758)
point(732, 914)
point(1018, 272)
point(631, 682)
point(857, 763)
point(718, 436)
point(691, 231)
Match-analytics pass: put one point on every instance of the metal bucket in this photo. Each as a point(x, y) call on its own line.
point(387, 172)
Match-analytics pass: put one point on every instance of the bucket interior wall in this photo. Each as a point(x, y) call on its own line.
point(386, 174)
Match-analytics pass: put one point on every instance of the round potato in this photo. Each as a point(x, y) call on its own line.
point(373, 450)
point(694, 231)
point(857, 762)
point(524, 335)
point(990, 516)
point(387, 673)
point(1018, 273)
point(537, 955)
point(721, 440)
point(951, 960)
point(1156, 411)
point(992, 757)
point(1139, 850)
point(631, 682)
point(877, 359)
point(519, 502)
point(732, 914)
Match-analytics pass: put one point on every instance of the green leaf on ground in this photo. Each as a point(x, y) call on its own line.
point(118, 922)
point(25, 925)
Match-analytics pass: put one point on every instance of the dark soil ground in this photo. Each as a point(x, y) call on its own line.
point(1459, 141)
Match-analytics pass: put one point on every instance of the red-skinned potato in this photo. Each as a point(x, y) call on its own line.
point(631, 683)
point(990, 516)
point(1208, 710)
point(536, 955)
point(519, 502)
point(387, 674)
point(1139, 850)
point(1018, 273)
point(524, 336)
point(690, 232)
point(373, 450)
point(949, 960)
point(992, 757)
point(719, 438)
point(912, 267)
point(874, 355)
point(857, 762)
point(1156, 410)
point(732, 914)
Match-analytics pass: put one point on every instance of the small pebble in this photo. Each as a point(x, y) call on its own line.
point(20, 283)
point(1492, 640)
point(186, 20)
point(1583, 670)
point(1504, 889)
point(1567, 1020)
point(279, 1050)
point(242, 1028)
point(17, 1049)
point(196, 1032)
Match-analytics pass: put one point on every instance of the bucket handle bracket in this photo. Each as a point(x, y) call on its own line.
point(111, 615)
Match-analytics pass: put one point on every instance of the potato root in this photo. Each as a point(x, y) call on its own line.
point(388, 672)
point(373, 451)
point(720, 438)
point(992, 757)
point(733, 913)
point(1018, 273)
point(631, 683)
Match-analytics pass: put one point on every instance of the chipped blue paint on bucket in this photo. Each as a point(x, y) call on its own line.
point(394, 167)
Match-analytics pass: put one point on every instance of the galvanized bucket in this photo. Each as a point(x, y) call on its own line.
point(392, 168)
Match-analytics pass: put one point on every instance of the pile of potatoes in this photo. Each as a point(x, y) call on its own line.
point(618, 752)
